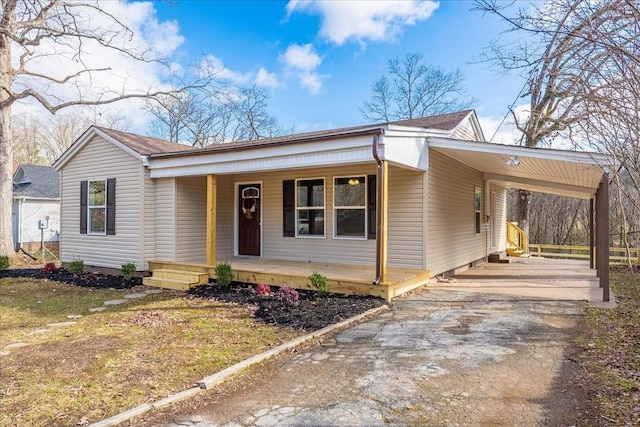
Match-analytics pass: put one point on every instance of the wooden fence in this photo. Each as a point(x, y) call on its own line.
point(616, 255)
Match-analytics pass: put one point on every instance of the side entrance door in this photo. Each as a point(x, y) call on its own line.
point(249, 219)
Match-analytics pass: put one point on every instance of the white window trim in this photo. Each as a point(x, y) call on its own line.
point(323, 207)
point(476, 212)
point(364, 208)
point(89, 207)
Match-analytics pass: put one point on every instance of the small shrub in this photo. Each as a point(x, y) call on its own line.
point(263, 289)
point(287, 296)
point(4, 262)
point(76, 267)
point(224, 275)
point(127, 270)
point(320, 282)
point(49, 268)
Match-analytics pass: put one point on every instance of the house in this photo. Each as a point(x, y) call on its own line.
point(380, 209)
point(36, 207)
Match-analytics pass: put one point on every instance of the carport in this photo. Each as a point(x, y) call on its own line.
point(562, 172)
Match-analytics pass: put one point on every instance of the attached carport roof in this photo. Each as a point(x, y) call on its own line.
point(561, 172)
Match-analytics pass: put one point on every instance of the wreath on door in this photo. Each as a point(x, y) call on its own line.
point(248, 208)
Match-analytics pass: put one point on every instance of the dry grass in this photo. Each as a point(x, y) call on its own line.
point(610, 341)
point(110, 361)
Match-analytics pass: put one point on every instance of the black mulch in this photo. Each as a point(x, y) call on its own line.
point(310, 313)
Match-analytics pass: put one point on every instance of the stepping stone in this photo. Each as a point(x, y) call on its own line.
point(154, 291)
point(74, 316)
point(4, 353)
point(135, 295)
point(96, 309)
point(15, 345)
point(60, 324)
point(115, 301)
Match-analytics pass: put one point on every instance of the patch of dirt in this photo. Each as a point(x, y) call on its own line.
point(87, 280)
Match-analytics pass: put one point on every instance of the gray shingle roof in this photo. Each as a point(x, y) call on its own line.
point(39, 182)
point(144, 145)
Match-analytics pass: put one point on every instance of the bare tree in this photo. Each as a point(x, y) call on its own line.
point(413, 89)
point(568, 45)
point(68, 32)
point(207, 115)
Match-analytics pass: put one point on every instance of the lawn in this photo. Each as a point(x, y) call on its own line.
point(110, 361)
point(610, 355)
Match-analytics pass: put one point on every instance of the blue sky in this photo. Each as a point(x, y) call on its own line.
point(319, 58)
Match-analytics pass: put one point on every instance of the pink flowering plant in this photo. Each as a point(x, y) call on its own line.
point(263, 289)
point(287, 296)
point(49, 268)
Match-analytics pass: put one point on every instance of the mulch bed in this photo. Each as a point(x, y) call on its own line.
point(310, 313)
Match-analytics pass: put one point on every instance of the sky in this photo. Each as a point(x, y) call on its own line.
point(318, 58)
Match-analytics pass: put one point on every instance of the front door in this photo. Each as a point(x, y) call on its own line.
point(249, 219)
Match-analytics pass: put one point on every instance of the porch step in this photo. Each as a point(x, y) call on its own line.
point(197, 277)
point(498, 257)
point(176, 279)
point(514, 252)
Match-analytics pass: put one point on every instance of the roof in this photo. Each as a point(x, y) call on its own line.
point(36, 182)
point(144, 145)
point(445, 122)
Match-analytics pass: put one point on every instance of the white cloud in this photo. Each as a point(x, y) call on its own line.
point(501, 131)
point(302, 61)
point(301, 57)
point(215, 67)
point(364, 20)
point(267, 79)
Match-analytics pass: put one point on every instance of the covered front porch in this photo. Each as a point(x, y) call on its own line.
point(343, 278)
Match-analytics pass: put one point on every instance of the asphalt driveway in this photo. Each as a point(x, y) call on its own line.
point(438, 357)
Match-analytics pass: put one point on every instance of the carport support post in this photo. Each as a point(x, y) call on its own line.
point(212, 188)
point(591, 235)
point(602, 238)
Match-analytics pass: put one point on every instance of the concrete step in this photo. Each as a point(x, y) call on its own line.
point(180, 285)
point(499, 258)
point(188, 276)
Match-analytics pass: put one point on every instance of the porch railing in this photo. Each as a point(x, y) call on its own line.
point(517, 239)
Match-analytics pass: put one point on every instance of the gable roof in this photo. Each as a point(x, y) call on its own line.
point(143, 145)
point(443, 122)
point(36, 182)
point(139, 146)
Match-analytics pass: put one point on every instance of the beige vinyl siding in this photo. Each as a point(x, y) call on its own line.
point(165, 219)
point(100, 159)
point(405, 229)
point(148, 219)
point(225, 214)
point(465, 131)
point(191, 219)
point(452, 241)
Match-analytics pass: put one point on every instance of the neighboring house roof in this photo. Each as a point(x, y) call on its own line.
point(447, 121)
point(36, 182)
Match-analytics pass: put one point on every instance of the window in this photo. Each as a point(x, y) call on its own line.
point(97, 207)
point(350, 207)
point(310, 207)
point(476, 199)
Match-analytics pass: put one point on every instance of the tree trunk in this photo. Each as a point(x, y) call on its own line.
point(523, 209)
point(6, 151)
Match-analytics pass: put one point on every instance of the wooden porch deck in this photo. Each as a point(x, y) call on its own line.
point(345, 279)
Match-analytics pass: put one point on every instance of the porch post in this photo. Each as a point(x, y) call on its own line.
point(383, 194)
point(212, 188)
point(591, 235)
point(602, 239)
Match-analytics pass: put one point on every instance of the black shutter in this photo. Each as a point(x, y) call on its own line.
point(288, 208)
point(372, 190)
point(111, 206)
point(84, 192)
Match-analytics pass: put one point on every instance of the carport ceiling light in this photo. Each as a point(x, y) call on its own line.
point(513, 161)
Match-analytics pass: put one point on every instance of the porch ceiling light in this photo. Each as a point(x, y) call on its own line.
point(513, 161)
point(354, 181)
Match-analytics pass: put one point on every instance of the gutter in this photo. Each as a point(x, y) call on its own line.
point(380, 212)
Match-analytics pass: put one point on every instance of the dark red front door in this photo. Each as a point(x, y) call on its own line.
point(249, 219)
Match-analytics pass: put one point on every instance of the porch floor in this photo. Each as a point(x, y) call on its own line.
point(345, 279)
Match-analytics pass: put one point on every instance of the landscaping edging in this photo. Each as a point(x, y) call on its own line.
point(225, 374)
